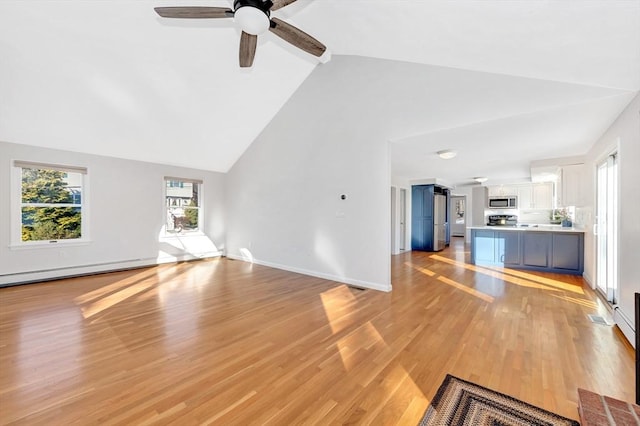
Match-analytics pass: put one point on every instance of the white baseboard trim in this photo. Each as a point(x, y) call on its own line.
point(344, 280)
point(98, 268)
point(624, 324)
point(590, 281)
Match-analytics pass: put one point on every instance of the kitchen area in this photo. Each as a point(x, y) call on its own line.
point(507, 210)
point(531, 226)
point(523, 225)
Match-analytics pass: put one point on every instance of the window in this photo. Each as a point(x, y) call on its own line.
point(51, 203)
point(183, 205)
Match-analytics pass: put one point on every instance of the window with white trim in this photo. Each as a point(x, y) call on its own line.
point(51, 203)
point(183, 205)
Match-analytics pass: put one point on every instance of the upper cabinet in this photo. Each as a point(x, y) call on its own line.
point(530, 196)
point(571, 191)
point(542, 195)
point(500, 190)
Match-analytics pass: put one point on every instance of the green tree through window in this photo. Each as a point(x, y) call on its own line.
point(51, 208)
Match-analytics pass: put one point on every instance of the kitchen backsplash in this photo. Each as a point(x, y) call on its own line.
point(534, 216)
point(583, 217)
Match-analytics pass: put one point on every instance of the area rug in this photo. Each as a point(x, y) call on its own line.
point(458, 402)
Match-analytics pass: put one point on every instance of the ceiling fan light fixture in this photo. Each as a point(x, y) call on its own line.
point(252, 17)
point(481, 179)
point(447, 154)
point(252, 20)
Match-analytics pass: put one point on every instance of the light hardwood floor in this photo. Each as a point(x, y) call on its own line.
point(226, 342)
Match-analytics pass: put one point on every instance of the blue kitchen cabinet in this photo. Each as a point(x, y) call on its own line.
point(535, 249)
point(425, 220)
point(495, 247)
point(422, 217)
point(566, 250)
point(508, 248)
point(561, 252)
point(484, 246)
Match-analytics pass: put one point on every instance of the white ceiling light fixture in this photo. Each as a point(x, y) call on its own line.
point(481, 179)
point(252, 20)
point(447, 154)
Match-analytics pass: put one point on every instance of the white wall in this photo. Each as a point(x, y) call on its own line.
point(125, 217)
point(626, 130)
point(283, 195)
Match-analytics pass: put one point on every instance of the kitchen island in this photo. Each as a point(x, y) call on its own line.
point(545, 248)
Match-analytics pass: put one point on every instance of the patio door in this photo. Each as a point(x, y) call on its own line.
point(607, 227)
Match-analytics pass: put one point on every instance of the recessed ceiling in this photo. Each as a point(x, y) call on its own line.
point(112, 78)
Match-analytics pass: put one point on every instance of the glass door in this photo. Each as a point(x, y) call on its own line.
point(607, 227)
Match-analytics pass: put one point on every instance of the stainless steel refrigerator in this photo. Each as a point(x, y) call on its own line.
point(439, 221)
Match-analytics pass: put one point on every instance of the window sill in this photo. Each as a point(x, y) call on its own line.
point(48, 244)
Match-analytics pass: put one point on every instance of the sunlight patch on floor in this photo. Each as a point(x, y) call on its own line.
point(398, 377)
point(466, 289)
point(528, 280)
point(582, 302)
point(361, 339)
point(543, 280)
point(353, 347)
point(421, 269)
point(115, 298)
point(335, 301)
point(99, 292)
point(448, 281)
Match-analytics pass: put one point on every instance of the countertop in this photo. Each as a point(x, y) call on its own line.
point(533, 228)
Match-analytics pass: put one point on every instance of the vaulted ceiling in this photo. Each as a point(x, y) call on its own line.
point(502, 82)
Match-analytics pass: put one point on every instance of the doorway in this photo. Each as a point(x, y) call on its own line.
point(459, 215)
point(393, 220)
point(398, 220)
point(403, 219)
point(607, 227)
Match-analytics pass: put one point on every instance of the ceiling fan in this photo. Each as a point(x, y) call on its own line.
point(253, 18)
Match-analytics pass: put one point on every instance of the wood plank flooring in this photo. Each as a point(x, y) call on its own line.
point(226, 342)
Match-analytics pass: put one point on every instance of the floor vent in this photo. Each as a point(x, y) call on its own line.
point(356, 288)
point(598, 319)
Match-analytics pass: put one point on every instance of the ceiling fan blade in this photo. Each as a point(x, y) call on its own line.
point(297, 37)
point(248, 43)
point(279, 4)
point(194, 12)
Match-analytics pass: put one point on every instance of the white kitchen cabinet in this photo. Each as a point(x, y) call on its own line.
point(535, 196)
point(525, 197)
point(571, 186)
point(542, 195)
point(500, 190)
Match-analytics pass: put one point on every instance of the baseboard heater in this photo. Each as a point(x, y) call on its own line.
point(31, 277)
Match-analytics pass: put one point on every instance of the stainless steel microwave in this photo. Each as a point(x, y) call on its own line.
point(503, 202)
